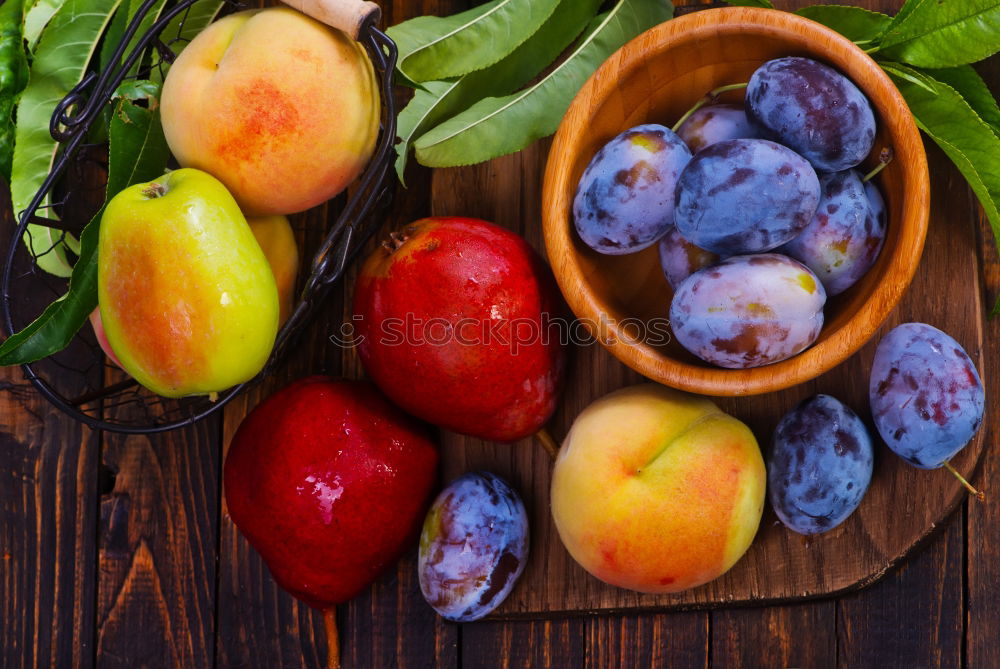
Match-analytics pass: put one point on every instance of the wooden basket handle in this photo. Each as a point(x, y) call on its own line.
point(346, 15)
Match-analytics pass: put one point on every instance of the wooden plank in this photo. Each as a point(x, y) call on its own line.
point(521, 644)
point(983, 520)
point(48, 504)
point(157, 543)
point(914, 617)
point(798, 635)
point(675, 640)
point(390, 625)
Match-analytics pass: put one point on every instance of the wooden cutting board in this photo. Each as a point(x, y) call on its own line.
point(902, 508)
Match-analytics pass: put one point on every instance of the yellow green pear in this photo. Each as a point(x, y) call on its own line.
point(188, 301)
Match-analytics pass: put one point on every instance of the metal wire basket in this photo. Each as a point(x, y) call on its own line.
point(79, 380)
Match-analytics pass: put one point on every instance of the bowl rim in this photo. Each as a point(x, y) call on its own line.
point(557, 196)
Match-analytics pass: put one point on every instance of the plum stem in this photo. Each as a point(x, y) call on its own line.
point(548, 443)
point(884, 158)
point(332, 638)
point(978, 494)
point(708, 98)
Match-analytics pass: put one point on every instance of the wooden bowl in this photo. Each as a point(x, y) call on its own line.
point(655, 78)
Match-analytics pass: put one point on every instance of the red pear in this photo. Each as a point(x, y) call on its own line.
point(330, 483)
point(458, 323)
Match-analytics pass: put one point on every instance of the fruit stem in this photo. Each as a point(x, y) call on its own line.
point(708, 98)
point(978, 494)
point(548, 443)
point(884, 158)
point(396, 239)
point(154, 190)
point(332, 638)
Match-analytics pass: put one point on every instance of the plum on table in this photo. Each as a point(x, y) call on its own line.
point(927, 398)
point(473, 547)
point(820, 465)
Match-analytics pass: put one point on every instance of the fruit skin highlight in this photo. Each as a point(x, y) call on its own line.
point(456, 321)
point(330, 483)
point(281, 108)
point(656, 490)
point(187, 299)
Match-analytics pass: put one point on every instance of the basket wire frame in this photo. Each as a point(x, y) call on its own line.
point(74, 380)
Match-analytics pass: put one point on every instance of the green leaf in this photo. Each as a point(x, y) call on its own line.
point(37, 17)
point(113, 35)
point(138, 89)
point(60, 62)
point(941, 112)
point(972, 88)
point(440, 100)
point(943, 33)
point(766, 4)
point(856, 24)
point(144, 25)
point(138, 153)
point(497, 126)
point(13, 77)
point(434, 48)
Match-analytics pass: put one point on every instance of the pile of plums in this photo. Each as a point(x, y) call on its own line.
point(927, 402)
point(758, 210)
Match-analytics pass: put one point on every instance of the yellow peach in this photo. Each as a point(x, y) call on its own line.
point(279, 107)
point(656, 490)
point(277, 241)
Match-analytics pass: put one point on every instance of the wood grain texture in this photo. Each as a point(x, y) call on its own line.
point(157, 536)
point(915, 619)
point(48, 504)
point(797, 635)
point(541, 644)
point(982, 563)
point(679, 640)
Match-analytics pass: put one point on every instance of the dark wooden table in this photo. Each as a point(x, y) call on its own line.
point(117, 551)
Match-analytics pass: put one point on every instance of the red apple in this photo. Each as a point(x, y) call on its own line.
point(330, 483)
point(457, 322)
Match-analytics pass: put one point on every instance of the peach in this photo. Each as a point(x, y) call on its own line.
point(656, 490)
point(277, 241)
point(279, 107)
